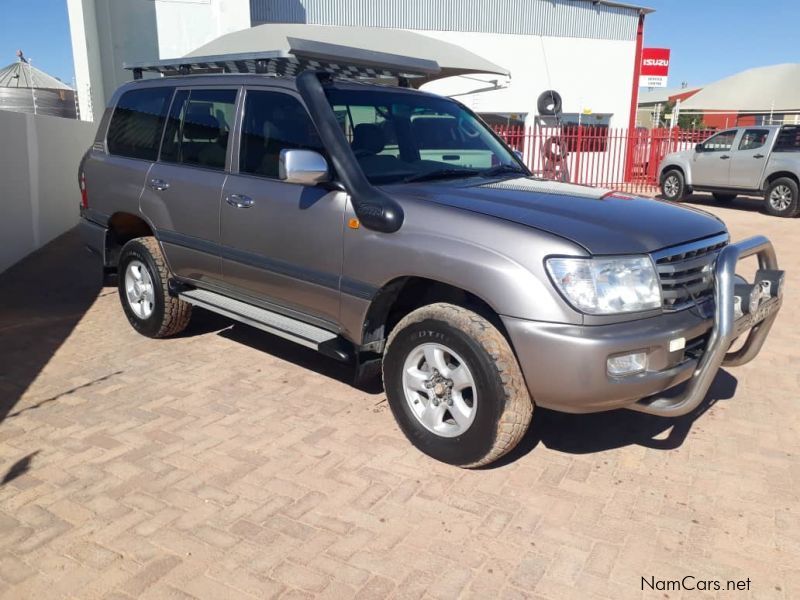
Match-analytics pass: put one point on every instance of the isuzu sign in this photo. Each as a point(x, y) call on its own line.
point(654, 68)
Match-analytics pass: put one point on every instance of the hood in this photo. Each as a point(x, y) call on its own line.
point(601, 222)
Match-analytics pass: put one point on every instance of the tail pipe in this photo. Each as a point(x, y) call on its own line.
point(375, 209)
point(730, 321)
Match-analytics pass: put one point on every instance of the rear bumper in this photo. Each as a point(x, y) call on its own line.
point(565, 366)
point(93, 236)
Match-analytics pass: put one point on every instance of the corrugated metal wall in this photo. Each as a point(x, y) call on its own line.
point(561, 18)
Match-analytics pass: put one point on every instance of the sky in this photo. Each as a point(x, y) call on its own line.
point(709, 39)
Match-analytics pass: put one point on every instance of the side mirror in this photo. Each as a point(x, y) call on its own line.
point(698, 147)
point(519, 155)
point(304, 167)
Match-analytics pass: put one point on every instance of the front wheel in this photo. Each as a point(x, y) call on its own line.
point(781, 198)
point(454, 386)
point(673, 186)
point(143, 291)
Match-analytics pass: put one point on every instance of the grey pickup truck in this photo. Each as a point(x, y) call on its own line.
point(305, 206)
point(763, 160)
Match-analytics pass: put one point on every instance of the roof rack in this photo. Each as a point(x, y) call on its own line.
point(343, 62)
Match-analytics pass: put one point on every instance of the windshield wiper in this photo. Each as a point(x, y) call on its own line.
point(500, 169)
point(441, 174)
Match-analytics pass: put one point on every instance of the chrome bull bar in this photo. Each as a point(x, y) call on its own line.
point(732, 318)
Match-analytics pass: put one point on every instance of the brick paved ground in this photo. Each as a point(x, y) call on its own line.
point(229, 464)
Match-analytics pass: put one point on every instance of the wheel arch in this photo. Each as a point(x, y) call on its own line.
point(402, 295)
point(769, 179)
point(123, 227)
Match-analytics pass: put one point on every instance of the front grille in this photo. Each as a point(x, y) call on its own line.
point(686, 272)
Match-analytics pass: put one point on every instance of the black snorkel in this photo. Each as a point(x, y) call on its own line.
point(375, 209)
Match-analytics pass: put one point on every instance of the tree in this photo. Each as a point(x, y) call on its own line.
point(685, 121)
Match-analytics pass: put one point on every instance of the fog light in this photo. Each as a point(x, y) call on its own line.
point(627, 364)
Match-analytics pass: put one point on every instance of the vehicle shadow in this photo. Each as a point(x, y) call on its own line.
point(301, 356)
point(597, 432)
point(42, 299)
point(743, 203)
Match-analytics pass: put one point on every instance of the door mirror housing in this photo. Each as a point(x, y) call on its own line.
point(303, 167)
point(698, 148)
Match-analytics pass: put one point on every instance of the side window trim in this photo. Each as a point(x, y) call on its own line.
point(237, 107)
point(235, 168)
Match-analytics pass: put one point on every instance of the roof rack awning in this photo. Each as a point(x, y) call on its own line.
point(346, 52)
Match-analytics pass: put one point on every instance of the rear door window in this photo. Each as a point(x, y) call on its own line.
point(199, 128)
point(753, 139)
point(137, 123)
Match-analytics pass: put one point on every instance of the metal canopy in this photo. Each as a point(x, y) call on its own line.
point(346, 52)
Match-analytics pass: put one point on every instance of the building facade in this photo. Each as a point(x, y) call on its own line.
point(585, 49)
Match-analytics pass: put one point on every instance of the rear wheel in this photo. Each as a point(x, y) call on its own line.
point(673, 186)
point(781, 198)
point(143, 291)
point(454, 386)
point(724, 197)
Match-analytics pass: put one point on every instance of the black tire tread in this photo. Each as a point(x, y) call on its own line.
point(518, 412)
point(793, 210)
point(177, 313)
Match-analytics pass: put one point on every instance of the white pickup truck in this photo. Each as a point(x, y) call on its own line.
point(760, 160)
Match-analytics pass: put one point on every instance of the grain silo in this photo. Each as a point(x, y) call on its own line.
point(24, 88)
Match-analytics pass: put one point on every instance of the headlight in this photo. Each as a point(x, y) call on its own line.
point(603, 286)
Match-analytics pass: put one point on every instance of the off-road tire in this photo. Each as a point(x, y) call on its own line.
point(726, 198)
point(170, 314)
point(504, 407)
point(679, 192)
point(793, 208)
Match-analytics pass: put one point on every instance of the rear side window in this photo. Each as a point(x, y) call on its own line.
point(753, 139)
point(788, 140)
point(137, 122)
point(199, 128)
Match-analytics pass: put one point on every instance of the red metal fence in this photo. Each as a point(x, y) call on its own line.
point(620, 159)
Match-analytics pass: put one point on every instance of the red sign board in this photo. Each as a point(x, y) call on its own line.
point(655, 61)
point(655, 67)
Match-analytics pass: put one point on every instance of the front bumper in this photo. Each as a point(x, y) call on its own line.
point(565, 365)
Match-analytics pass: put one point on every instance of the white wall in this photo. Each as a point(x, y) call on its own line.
point(39, 170)
point(588, 73)
point(108, 33)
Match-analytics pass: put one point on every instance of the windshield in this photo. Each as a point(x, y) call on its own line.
point(399, 136)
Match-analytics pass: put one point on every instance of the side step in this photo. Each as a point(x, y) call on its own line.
point(299, 332)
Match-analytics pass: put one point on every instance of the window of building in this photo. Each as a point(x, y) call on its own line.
point(199, 127)
point(137, 122)
point(273, 121)
point(753, 138)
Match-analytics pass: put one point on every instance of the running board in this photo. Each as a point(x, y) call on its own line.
point(296, 331)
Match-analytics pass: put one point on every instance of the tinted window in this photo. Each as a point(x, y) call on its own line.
point(273, 122)
point(135, 128)
point(722, 142)
point(788, 140)
point(199, 128)
point(753, 138)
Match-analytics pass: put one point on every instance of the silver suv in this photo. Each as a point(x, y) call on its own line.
point(758, 160)
point(309, 208)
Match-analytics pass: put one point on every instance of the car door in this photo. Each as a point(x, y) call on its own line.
point(282, 242)
point(711, 163)
point(183, 189)
point(750, 157)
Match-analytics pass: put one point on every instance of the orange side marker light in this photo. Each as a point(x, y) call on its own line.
point(354, 223)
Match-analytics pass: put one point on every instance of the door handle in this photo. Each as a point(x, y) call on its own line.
point(724, 157)
point(159, 185)
point(239, 200)
point(758, 156)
